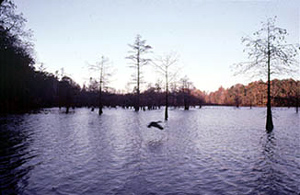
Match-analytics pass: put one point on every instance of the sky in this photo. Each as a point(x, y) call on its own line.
point(206, 35)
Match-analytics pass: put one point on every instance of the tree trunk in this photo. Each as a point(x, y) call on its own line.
point(100, 87)
point(167, 95)
point(100, 101)
point(167, 105)
point(185, 101)
point(269, 124)
point(186, 104)
point(137, 105)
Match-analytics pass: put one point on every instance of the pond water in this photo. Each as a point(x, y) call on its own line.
point(212, 150)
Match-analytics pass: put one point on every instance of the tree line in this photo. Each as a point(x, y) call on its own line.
point(24, 87)
point(284, 93)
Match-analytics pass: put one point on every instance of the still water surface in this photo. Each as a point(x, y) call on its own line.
point(213, 150)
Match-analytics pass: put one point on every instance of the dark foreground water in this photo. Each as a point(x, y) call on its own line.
point(213, 150)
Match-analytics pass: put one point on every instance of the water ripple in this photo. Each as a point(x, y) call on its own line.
point(213, 150)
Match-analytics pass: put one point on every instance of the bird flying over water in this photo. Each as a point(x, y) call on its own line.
point(155, 124)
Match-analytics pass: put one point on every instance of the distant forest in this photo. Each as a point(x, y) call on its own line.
point(23, 87)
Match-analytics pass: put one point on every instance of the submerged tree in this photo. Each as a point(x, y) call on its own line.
point(66, 91)
point(139, 48)
point(164, 65)
point(186, 85)
point(102, 68)
point(269, 54)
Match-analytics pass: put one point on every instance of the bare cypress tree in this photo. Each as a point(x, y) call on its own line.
point(102, 68)
point(138, 49)
point(163, 65)
point(269, 54)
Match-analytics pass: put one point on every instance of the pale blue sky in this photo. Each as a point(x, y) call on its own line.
point(206, 34)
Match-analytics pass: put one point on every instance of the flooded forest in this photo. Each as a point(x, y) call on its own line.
point(165, 137)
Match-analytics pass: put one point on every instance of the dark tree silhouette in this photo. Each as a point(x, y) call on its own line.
point(139, 48)
point(16, 63)
point(185, 89)
point(164, 65)
point(68, 90)
point(269, 54)
point(102, 68)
